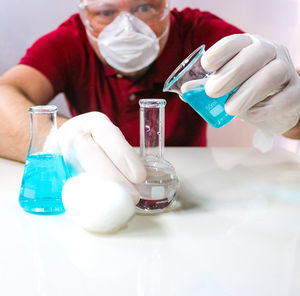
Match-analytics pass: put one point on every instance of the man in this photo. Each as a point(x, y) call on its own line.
point(117, 51)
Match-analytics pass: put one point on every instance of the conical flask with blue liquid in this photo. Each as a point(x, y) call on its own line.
point(45, 171)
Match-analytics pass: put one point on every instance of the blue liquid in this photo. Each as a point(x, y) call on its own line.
point(210, 109)
point(43, 179)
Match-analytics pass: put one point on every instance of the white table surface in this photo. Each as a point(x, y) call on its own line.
point(237, 233)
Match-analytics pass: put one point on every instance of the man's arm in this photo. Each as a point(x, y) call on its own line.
point(294, 133)
point(20, 87)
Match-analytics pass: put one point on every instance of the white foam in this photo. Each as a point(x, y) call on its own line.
point(97, 204)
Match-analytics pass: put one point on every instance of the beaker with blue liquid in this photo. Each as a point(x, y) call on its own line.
point(188, 81)
point(45, 171)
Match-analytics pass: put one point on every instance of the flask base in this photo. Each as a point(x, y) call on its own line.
point(44, 207)
point(150, 206)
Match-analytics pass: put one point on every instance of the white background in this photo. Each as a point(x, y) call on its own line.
point(22, 22)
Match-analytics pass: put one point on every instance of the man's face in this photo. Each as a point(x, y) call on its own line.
point(100, 13)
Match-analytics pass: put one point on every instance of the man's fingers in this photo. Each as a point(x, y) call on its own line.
point(224, 50)
point(258, 87)
point(117, 149)
point(240, 68)
point(93, 159)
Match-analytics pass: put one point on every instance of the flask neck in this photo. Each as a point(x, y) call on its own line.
point(43, 128)
point(152, 128)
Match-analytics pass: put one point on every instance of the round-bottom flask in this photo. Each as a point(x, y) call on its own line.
point(158, 191)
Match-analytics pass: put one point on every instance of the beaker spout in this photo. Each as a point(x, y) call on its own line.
point(169, 86)
point(189, 69)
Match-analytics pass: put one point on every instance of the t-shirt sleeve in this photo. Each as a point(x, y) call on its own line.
point(53, 55)
point(201, 27)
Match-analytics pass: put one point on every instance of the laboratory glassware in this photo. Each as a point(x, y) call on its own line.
point(182, 81)
point(45, 171)
point(158, 191)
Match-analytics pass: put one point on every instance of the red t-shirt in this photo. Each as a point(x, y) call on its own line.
point(66, 58)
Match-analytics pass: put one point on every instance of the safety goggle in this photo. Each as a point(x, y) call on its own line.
point(99, 13)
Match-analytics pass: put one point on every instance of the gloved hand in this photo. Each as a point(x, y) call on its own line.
point(269, 92)
point(91, 143)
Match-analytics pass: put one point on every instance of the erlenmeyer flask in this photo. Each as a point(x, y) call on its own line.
point(45, 171)
point(188, 81)
point(159, 190)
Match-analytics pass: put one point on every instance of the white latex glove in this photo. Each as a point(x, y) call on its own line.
point(91, 143)
point(269, 92)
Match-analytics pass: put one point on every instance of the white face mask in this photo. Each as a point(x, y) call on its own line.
point(128, 44)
